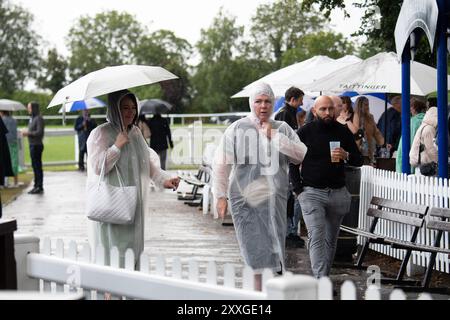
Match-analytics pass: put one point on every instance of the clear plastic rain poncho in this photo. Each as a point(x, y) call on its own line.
point(137, 164)
point(252, 171)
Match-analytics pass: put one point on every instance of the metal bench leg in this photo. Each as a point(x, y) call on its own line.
point(362, 255)
point(401, 273)
point(427, 278)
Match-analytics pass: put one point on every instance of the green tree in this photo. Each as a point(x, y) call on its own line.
point(216, 79)
point(227, 64)
point(330, 44)
point(277, 27)
point(19, 54)
point(109, 38)
point(53, 71)
point(377, 24)
point(163, 48)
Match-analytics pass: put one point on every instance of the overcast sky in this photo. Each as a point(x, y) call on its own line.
point(53, 18)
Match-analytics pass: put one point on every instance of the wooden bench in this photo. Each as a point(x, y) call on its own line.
point(395, 211)
point(439, 223)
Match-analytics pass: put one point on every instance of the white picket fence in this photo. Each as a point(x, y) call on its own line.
point(429, 191)
point(73, 268)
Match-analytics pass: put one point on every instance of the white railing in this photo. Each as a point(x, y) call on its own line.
point(429, 191)
point(73, 268)
point(172, 117)
point(189, 144)
point(50, 133)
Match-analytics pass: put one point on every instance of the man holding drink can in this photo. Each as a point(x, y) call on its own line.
point(320, 185)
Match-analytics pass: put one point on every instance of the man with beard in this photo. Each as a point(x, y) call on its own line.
point(321, 183)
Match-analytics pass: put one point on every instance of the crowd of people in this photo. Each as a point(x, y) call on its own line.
point(268, 206)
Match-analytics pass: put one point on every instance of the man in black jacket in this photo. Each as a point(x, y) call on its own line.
point(321, 184)
point(293, 99)
point(83, 126)
point(161, 135)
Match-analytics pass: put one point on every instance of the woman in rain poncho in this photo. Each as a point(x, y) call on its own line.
point(250, 167)
point(137, 164)
point(425, 135)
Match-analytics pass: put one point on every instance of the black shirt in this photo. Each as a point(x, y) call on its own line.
point(288, 114)
point(161, 134)
point(317, 169)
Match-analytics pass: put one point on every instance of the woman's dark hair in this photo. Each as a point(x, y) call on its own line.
point(141, 117)
point(346, 101)
point(359, 106)
point(432, 102)
point(418, 105)
point(34, 108)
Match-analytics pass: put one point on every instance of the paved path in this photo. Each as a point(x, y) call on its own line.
point(171, 227)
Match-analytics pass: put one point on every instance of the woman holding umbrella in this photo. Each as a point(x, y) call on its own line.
point(120, 143)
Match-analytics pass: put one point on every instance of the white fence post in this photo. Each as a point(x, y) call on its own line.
point(23, 245)
point(348, 290)
point(373, 293)
point(325, 289)
point(228, 275)
point(193, 270)
point(248, 278)
point(397, 294)
point(211, 273)
point(295, 287)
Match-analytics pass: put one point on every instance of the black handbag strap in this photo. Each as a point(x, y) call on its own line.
point(420, 141)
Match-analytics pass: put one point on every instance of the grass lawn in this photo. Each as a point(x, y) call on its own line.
point(57, 148)
point(10, 194)
point(62, 148)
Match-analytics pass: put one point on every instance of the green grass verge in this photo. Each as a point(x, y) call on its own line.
point(10, 194)
point(58, 148)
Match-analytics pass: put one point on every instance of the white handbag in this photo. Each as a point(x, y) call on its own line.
point(110, 204)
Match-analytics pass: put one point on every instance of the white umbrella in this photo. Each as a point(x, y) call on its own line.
point(108, 80)
point(90, 103)
point(380, 73)
point(299, 74)
point(11, 105)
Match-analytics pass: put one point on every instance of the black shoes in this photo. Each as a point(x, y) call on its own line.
point(294, 241)
point(36, 190)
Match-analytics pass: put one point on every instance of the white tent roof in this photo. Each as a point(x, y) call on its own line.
point(380, 73)
point(299, 74)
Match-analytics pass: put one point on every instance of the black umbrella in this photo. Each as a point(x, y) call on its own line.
point(154, 106)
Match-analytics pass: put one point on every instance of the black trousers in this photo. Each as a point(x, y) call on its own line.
point(81, 154)
point(36, 163)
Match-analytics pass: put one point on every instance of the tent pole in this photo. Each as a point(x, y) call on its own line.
point(385, 118)
point(406, 113)
point(442, 86)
